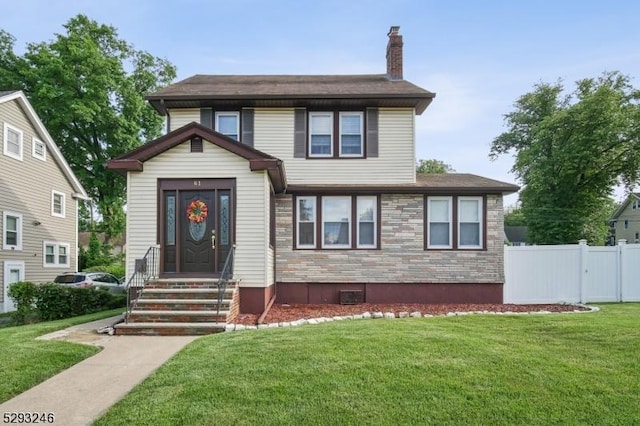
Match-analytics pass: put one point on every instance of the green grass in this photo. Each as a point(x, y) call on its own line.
point(535, 369)
point(25, 361)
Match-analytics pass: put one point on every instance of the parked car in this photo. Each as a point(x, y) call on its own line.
point(91, 279)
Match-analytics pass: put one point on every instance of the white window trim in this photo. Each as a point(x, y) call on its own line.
point(480, 222)
point(375, 222)
point(319, 113)
point(36, 142)
point(450, 218)
point(6, 246)
point(315, 222)
point(8, 266)
point(56, 251)
point(63, 203)
point(324, 220)
point(361, 154)
point(6, 151)
point(223, 113)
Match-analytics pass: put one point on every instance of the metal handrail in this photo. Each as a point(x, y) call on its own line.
point(146, 269)
point(225, 276)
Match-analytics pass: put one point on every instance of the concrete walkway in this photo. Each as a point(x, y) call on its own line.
point(82, 393)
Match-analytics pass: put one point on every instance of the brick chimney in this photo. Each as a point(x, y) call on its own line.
point(394, 54)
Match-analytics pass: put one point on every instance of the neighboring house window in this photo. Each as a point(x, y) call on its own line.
point(39, 150)
point(454, 222)
point(12, 142)
point(328, 140)
point(228, 123)
point(337, 222)
point(626, 224)
point(321, 134)
point(636, 205)
point(637, 237)
point(306, 222)
point(12, 231)
point(56, 254)
point(57, 204)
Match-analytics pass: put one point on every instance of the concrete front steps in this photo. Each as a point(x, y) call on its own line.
point(179, 307)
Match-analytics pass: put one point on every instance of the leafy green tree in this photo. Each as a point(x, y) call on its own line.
point(570, 150)
point(433, 166)
point(88, 87)
point(515, 218)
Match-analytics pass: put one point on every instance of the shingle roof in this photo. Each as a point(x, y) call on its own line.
point(447, 183)
point(292, 88)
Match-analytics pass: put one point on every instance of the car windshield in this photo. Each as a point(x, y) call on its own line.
point(69, 279)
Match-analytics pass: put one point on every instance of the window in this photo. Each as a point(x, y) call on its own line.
point(228, 123)
point(367, 215)
point(12, 142)
point(56, 254)
point(626, 224)
point(39, 149)
point(306, 220)
point(470, 222)
point(337, 222)
point(321, 134)
point(636, 205)
point(439, 220)
point(328, 140)
point(57, 204)
point(351, 134)
point(454, 222)
point(12, 231)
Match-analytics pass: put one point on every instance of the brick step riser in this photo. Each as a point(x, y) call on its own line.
point(177, 306)
point(179, 296)
point(158, 318)
point(167, 331)
point(186, 285)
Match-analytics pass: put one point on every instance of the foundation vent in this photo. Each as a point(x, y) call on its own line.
point(351, 297)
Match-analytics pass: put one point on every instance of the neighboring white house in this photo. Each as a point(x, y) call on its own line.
point(38, 200)
point(312, 177)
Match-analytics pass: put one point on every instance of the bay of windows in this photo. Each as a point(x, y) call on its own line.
point(56, 254)
point(337, 222)
point(334, 134)
point(454, 222)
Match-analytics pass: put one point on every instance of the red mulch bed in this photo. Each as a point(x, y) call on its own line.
point(287, 313)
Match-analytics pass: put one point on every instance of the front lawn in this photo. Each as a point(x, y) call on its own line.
point(481, 369)
point(27, 361)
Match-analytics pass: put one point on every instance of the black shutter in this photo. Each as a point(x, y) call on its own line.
point(247, 127)
point(300, 133)
point(206, 117)
point(372, 132)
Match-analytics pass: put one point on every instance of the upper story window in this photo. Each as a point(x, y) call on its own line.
point(228, 123)
point(39, 149)
point(336, 134)
point(626, 224)
point(57, 204)
point(636, 204)
point(454, 222)
point(12, 231)
point(12, 142)
point(56, 254)
point(337, 222)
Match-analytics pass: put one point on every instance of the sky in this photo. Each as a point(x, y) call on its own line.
point(477, 56)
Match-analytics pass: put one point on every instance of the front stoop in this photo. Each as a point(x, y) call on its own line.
point(180, 307)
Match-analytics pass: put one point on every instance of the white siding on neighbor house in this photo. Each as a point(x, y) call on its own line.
point(26, 188)
point(252, 203)
point(274, 131)
point(182, 117)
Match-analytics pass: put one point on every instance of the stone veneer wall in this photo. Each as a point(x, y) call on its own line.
point(401, 259)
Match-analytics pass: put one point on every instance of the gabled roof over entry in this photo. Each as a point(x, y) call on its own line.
point(258, 160)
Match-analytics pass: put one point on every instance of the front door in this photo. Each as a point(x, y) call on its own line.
point(196, 231)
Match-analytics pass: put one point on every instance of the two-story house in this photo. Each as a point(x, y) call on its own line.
point(312, 178)
point(38, 200)
point(625, 221)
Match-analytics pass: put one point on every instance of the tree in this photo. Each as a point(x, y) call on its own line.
point(433, 166)
point(570, 151)
point(515, 218)
point(88, 87)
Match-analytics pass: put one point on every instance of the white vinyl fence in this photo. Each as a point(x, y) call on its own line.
point(572, 274)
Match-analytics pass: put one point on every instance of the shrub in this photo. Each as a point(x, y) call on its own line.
point(24, 294)
point(115, 269)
